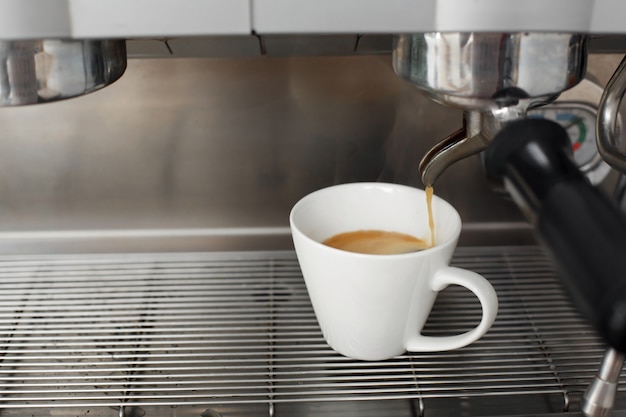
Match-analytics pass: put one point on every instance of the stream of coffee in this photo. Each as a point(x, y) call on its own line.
point(431, 221)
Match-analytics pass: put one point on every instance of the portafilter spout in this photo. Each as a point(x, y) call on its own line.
point(494, 77)
point(478, 129)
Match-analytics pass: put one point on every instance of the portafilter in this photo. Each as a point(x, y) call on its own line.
point(494, 77)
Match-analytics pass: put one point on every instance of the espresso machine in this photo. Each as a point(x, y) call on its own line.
point(494, 62)
point(485, 74)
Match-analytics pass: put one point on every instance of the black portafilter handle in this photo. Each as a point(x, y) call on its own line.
point(581, 227)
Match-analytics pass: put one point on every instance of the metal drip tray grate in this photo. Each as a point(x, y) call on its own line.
point(237, 328)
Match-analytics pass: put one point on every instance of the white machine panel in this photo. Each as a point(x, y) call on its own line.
point(29, 19)
point(137, 18)
point(514, 16)
point(608, 16)
point(88, 19)
point(342, 16)
point(397, 16)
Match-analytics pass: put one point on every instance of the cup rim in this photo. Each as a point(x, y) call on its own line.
point(438, 247)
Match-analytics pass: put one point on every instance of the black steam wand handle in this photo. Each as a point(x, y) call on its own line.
point(582, 228)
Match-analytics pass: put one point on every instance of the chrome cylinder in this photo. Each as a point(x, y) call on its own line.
point(609, 138)
point(40, 71)
point(483, 71)
point(599, 398)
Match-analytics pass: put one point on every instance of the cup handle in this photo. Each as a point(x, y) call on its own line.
point(488, 301)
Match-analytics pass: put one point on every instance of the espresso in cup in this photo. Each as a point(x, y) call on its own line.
point(376, 242)
point(382, 242)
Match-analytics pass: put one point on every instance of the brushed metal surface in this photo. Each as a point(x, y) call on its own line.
point(222, 144)
point(233, 334)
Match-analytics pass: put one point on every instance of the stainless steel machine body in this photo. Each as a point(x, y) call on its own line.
point(147, 269)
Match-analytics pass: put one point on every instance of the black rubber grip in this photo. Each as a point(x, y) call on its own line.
point(582, 228)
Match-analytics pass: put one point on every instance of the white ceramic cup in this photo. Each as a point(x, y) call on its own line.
point(373, 307)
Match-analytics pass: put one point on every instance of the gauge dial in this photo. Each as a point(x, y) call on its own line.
point(579, 120)
point(579, 123)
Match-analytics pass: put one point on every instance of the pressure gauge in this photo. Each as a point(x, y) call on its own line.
point(576, 110)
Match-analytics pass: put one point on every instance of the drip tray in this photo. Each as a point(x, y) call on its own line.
point(212, 334)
